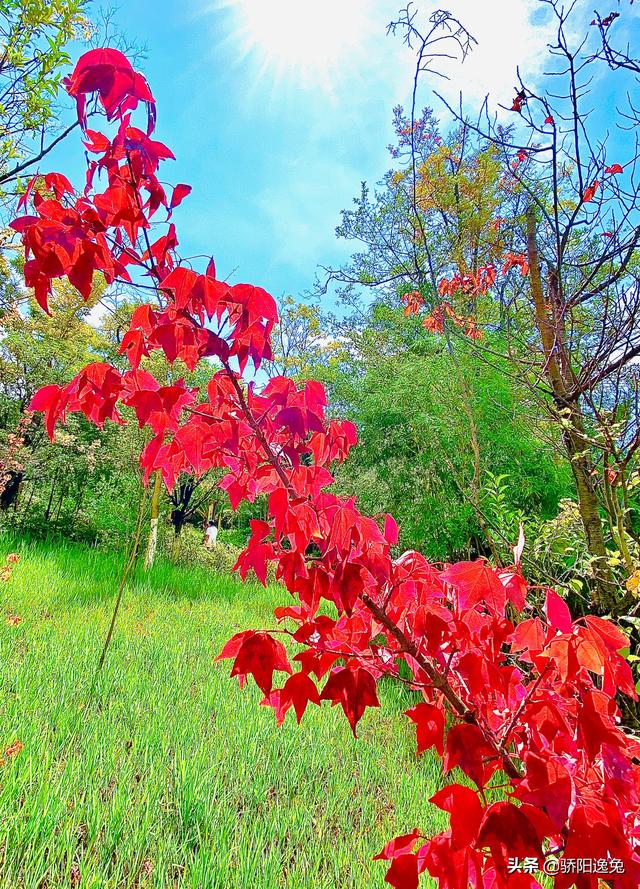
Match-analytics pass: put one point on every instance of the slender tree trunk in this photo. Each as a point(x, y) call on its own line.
point(78, 502)
point(549, 320)
point(130, 562)
point(47, 514)
point(25, 509)
point(59, 509)
point(152, 543)
point(476, 479)
point(177, 520)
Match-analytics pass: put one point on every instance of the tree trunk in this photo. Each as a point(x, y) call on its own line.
point(10, 489)
point(47, 514)
point(476, 478)
point(549, 320)
point(152, 543)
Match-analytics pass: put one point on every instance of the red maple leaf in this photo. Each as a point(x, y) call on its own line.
point(547, 784)
point(508, 831)
point(429, 720)
point(590, 192)
point(109, 73)
point(354, 690)
point(260, 654)
point(467, 748)
point(466, 813)
point(297, 691)
point(476, 582)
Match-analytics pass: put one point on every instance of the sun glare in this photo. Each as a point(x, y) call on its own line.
point(310, 40)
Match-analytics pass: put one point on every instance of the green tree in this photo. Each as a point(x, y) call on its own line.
point(34, 41)
point(402, 388)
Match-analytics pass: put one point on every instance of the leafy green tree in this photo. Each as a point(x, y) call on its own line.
point(402, 389)
point(34, 40)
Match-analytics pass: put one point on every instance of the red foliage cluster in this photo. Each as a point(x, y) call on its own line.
point(515, 260)
point(607, 20)
point(435, 321)
point(413, 302)
point(530, 696)
point(470, 284)
point(590, 192)
point(519, 101)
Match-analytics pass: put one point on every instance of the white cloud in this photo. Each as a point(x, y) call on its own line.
point(334, 128)
point(508, 35)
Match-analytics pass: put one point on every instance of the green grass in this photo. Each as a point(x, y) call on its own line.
point(160, 771)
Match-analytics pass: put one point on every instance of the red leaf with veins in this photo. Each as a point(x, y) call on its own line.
point(476, 582)
point(179, 194)
point(260, 655)
point(466, 812)
point(297, 691)
point(547, 784)
point(429, 720)
point(558, 614)
point(467, 748)
point(354, 690)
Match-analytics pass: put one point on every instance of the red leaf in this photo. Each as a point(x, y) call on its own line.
point(297, 691)
point(476, 582)
point(179, 194)
point(403, 873)
point(614, 638)
point(107, 72)
point(260, 655)
point(354, 690)
point(466, 812)
point(233, 646)
point(614, 168)
point(529, 636)
point(509, 832)
point(547, 784)
point(398, 846)
point(595, 723)
point(390, 530)
point(405, 866)
point(558, 614)
point(95, 141)
point(590, 191)
point(48, 400)
point(23, 222)
point(466, 747)
point(430, 722)
point(257, 553)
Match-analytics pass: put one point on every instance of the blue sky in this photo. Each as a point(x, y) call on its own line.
point(274, 151)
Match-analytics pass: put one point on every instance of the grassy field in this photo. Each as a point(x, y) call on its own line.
point(159, 771)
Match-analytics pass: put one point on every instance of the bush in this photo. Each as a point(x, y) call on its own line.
point(237, 537)
point(188, 549)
